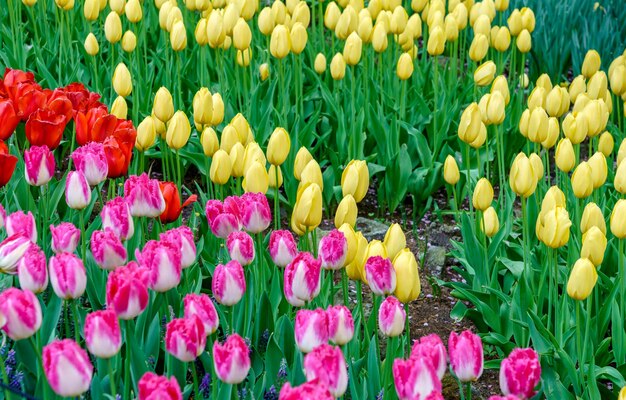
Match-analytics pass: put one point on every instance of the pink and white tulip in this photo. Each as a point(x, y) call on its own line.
point(91, 160)
point(466, 355)
point(185, 338)
point(39, 165)
point(102, 333)
point(380, 275)
point(231, 360)
point(229, 283)
point(415, 379)
point(22, 313)
point(127, 291)
point(311, 329)
point(282, 247)
point(32, 270)
point(201, 306)
point(67, 276)
point(67, 368)
point(144, 196)
point(326, 364)
point(432, 348)
point(77, 191)
point(333, 249)
point(256, 215)
point(308, 390)
point(391, 317)
point(221, 221)
point(12, 249)
point(340, 324)
point(164, 262)
point(520, 373)
point(155, 387)
point(65, 237)
point(302, 279)
point(20, 223)
point(182, 237)
point(240, 247)
point(107, 249)
point(116, 216)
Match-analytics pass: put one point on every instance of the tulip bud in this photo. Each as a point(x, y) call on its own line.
point(523, 176)
point(32, 269)
point(237, 154)
point(391, 317)
point(582, 279)
point(451, 171)
point(133, 11)
point(129, 42)
point(221, 167)
point(564, 155)
point(553, 133)
point(524, 42)
point(91, 44)
point(582, 180)
point(264, 71)
point(515, 22)
point(593, 245)
point(231, 360)
point(320, 63)
point(108, 250)
point(355, 179)
point(203, 107)
point(113, 27)
point(178, 131)
point(520, 372)
point(39, 165)
point(575, 128)
point(469, 126)
point(146, 134)
point(280, 42)
point(77, 192)
point(116, 216)
point(495, 108)
point(404, 68)
point(307, 212)
point(91, 10)
point(618, 80)
point(312, 173)
point(178, 36)
point(298, 38)
point(352, 49)
point(163, 106)
point(408, 286)
point(485, 73)
point(379, 38)
point(436, 41)
point(332, 250)
point(466, 355)
point(490, 222)
point(346, 212)
point(591, 64)
point(255, 179)
point(599, 172)
point(229, 283)
point(102, 333)
point(483, 194)
point(67, 368)
point(597, 86)
point(502, 40)
point(122, 83)
point(331, 16)
point(538, 125)
point(67, 276)
point(119, 108)
point(618, 219)
point(620, 178)
point(338, 67)
point(242, 35)
point(278, 146)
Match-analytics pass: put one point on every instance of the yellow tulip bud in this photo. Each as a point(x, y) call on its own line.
point(117, 6)
point(256, 179)
point(119, 108)
point(178, 131)
point(485, 73)
point(592, 217)
point(178, 36)
point(158, 126)
point(113, 27)
point(331, 16)
point(379, 38)
point(469, 126)
point(320, 63)
point(146, 134)
point(352, 49)
point(408, 286)
point(528, 19)
point(221, 167)
point(374, 248)
point(338, 67)
point(618, 219)
point(394, 240)
point(280, 42)
point(524, 81)
point(351, 239)
point(436, 41)
point(553, 133)
point(247, 7)
point(346, 212)
point(524, 122)
point(523, 177)
point(91, 10)
point(229, 138)
point(209, 142)
point(451, 28)
point(620, 178)
point(298, 38)
point(618, 80)
point(502, 5)
point(312, 173)
point(374, 7)
point(594, 245)
point(164, 12)
point(175, 15)
point(502, 39)
point(302, 159)
point(482, 25)
point(264, 71)
point(490, 222)
point(552, 227)
point(231, 16)
point(129, 41)
point(591, 64)
point(307, 212)
point(524, 41)
point(537, 98)
point(537, 164)
point(203, 107)
point(515, 22)
point(218, 109)
point(597, 116)
point(242, 35)
point(501, 85)
point(451, 172)
point(553, 198)
point(599, 169)
point(215, 29)
point(163, 106)
point(275, 181)
point(544, 82)
point(577, 87)
point(302, 14)
point(538, 125)
point(479, 47)
point(483, 195)
point(564, 155)
point(241, 125)
point(237, 158)
point(134, 11)
point(355, 180)
point(365, 29)
point(243, 57)
point(554, 101)
point(575, 128)
point(265, 21)
point(29, 3)
point(404, 69)
point(353, 269)
point(582, 279)
point(495, 108)
point(597, 86)
point(278, 147)
point(418, 5)
point(606, 144)
point(91, 44)
point(582, 180)
point(398, 20)
point(122, 83)
point(481, 138)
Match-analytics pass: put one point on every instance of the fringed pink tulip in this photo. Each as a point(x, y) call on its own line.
point(240, 247)
point(432, 348)
point(185, 338)
point(107, 249)
point(282, 247)
point(116, 216)
point(102, 333)
point(144, 196)
point(67, 276)
point(20, 223)
point(182, 237)
point(380, 275)
point(333, 249)
point(310, 390)
point(32, 270)
point(155, 387)
point(229, 283)
point(65, 237)
point(201, 306)
point(520, 373)
point(391, 317)
point(127, 291)
point(231, 360)
point(311, 329)
point(302, 279)
point(340, 324)
point(415, 379)
point(77, 191)
point(164, 262)
point(466, 355)
point(67, 368)
point(3, 216)
point(91, 160)
point(22, 313)
point(326, 364)
point(11, 251)
point(256, 215)
point(39, 165)
point(220, 219)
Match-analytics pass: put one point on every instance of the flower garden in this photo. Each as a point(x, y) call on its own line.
point(345, 199)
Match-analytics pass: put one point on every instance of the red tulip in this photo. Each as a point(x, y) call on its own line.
point(45, 127)
point(94, 125)
point(60, 104)
point(12, 77)
point(82, 99)
point(173, 207)
point(8, 118)
point(28, 98)
point(118, 148)
point(7, 164)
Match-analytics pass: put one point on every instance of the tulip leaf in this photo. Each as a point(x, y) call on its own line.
point(373, 369)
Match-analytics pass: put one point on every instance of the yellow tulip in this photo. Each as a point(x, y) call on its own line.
point(418, 5)
point(599, 171)
point(503, 39)
point(252, 154)
point(524, 41)
point(215, 29)
point(618, 219)
point(302, 159)
point(622, 394)
point(280, 42)
point(485, 73)
point(404, 69)
point(495, 108)
point(312, 173)
point(408, 286)
point(582, 279)
point(217, 115)
point(365, 28)
point(501, 85)
point(552, 226)
point(483, 195)
point(537, 164)
point(91, 44)
point(479, 47)
point(301, 14)
point(621, 152)
point(490, 222)
point(502, 5)
point(331, 16)
point(582, 180)
point(451, 171)
point(554, 101)
point(515, 22)
point(163, 105)
point(346, 212)
point(523, 177)
point(175, 15)
point(113, 27)
point(119, 108)
point(399, 20)
point(307, 212)
point(91, 10)
point(355, 180)
point(528, 18)
point(379, 38)
point(469, 126)
point(597, 86)
point(209, 141)
point(591, 64)
point(592, 217)
point(164, 12)
point(576, 127)
point(274, 180)
point(620, 178)
point(593, 245)
point(221, 167)
point(436, 41)
point(243, 57)
point(564, 155)
point(537, 98)
point(265, 21)
point(178, 131)
point(129, 41)
point(577, 87)
point(352, 49)
point(597, 116)
point(203, 107)
point(255, 179)
point(338, 67)
point(524, 122)
point(618, 80)
point(242, 35)
point(353, 269)
point(538, 125)
point(159, 126)
point(481, 138)
point(178, 36)
point(237, 158)
point(122, 83)
point(320, 63)
point(134, 11)
point(298, 38)
point(482, 25)
point(553, 133)
point(146, 134)
point(394, 240)
point(278, 146)
point(116, 5)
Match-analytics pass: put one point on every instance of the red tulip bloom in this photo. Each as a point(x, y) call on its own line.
point(119, 151)
point(82, 99)
point(7, 164)
point(8, 118)
point(27, 98)
point(94, 125)
point(13, 77)
point(60, 104)
point(173, 207)
point(45, 127)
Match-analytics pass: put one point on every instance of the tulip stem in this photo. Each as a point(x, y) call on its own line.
point(469, 391)
point(127, 382)
point(276, 202)
point(579, 342)
point(344, 284)
point(179, 175)
point(359, 297)
point(389, 357)
point(111, 376)
point(408, 329)
point(76, 320)
point(620, 268)
point(38, 352)
point(587, 332)
point(66, 318)
point(194, 372)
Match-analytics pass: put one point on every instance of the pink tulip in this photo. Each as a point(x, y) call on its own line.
point(302, 279)
point(507, 397)
point(3, 216)
point(144, 196)
point(65, 237)
point(432, 348)
point(282, 247)
point(391, 317)
point(240, 247)
point(11, 251)
point(22, 313)
point(311, 329)
point(340, 324)
point(326, 364)
point(333, 249)
point(434, 396)
point(164, 262)
point(415, 379)
point(380, 275)
point(116, 216)
point(32, 270)
point(231, 360)
point(155, 387)
point(23, 224)
point(182, 237)
point(185, 338)
point(222, 222)
point(102, 333)
point(127, 291)
point(256, 215)
point(466, 355)
point(520, 372)
point(229, 283)
point(201, 306)
point(67, 368)
point(77, 191)
point(107, 249)
point(91, 160)
point(233, 205)
point(310, 390)
point(67, 276)
point(39, 165)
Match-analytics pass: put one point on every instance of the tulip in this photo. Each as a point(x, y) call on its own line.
point(280, 42)
point(298, 38)
point(338, 67)
point(333, 249)
point(352, 49)
point(240, 247)
point(593, 245)
point(553, 227)
point(178, 131)
point(127, 291)
point(346, 212)
point(606, 144)
point(153, 386)
point(391, 317)
point(39, 165)
point(32, 270)
point(11, 251)
point(221, 220)
point(479, 47)
point(380, 275)
point(65, 237)
point(113, 28)
point(116, 216)
point(553, 133)
point(185, 338)
point(326, 364)
point(591, 64)
point(500, 84)
point(483, 194)
point(173, 206)
point(308, 390)
point(255, 179)
point(466, 355)
point(256, 215)
point(482, 25)
point(319, 65)
point(67, 368)
point(485, 73)
point(523, 176)
point(282, 247)
point(620, 177)
point(107, 249)
point(22, 224)
point(77, 191)
point(122, 83)
point(379, 37)
point(432, 349)
point(21, 313)
point(394, 240)
point(524, 41)
point(144, 196)
point(582, 180)
point(209, 142)
point(415, 379)
point(618, 219)
point(490, 222)
point(201, 306)
point(564, 155)
point(582, 279)
point(231, 360)
point(597, 162)
point(91, 161)
point(408, 285)
point(91, 10)
point(221, 167)
point(229, 283)
point(436, 41)
point(91, 44)
point(129, 42)
point(163, 106)
point(470, 124)
point(302, 279)
point(163, 260)
point(355, 180)
point(311, 329)
point(278, 146)
point(520, 372)
point(67, 276)
point(340, 324)
point(307, 212)
point(203, 107)
point(312, 173)
point(133, 11)
point(102, 334)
